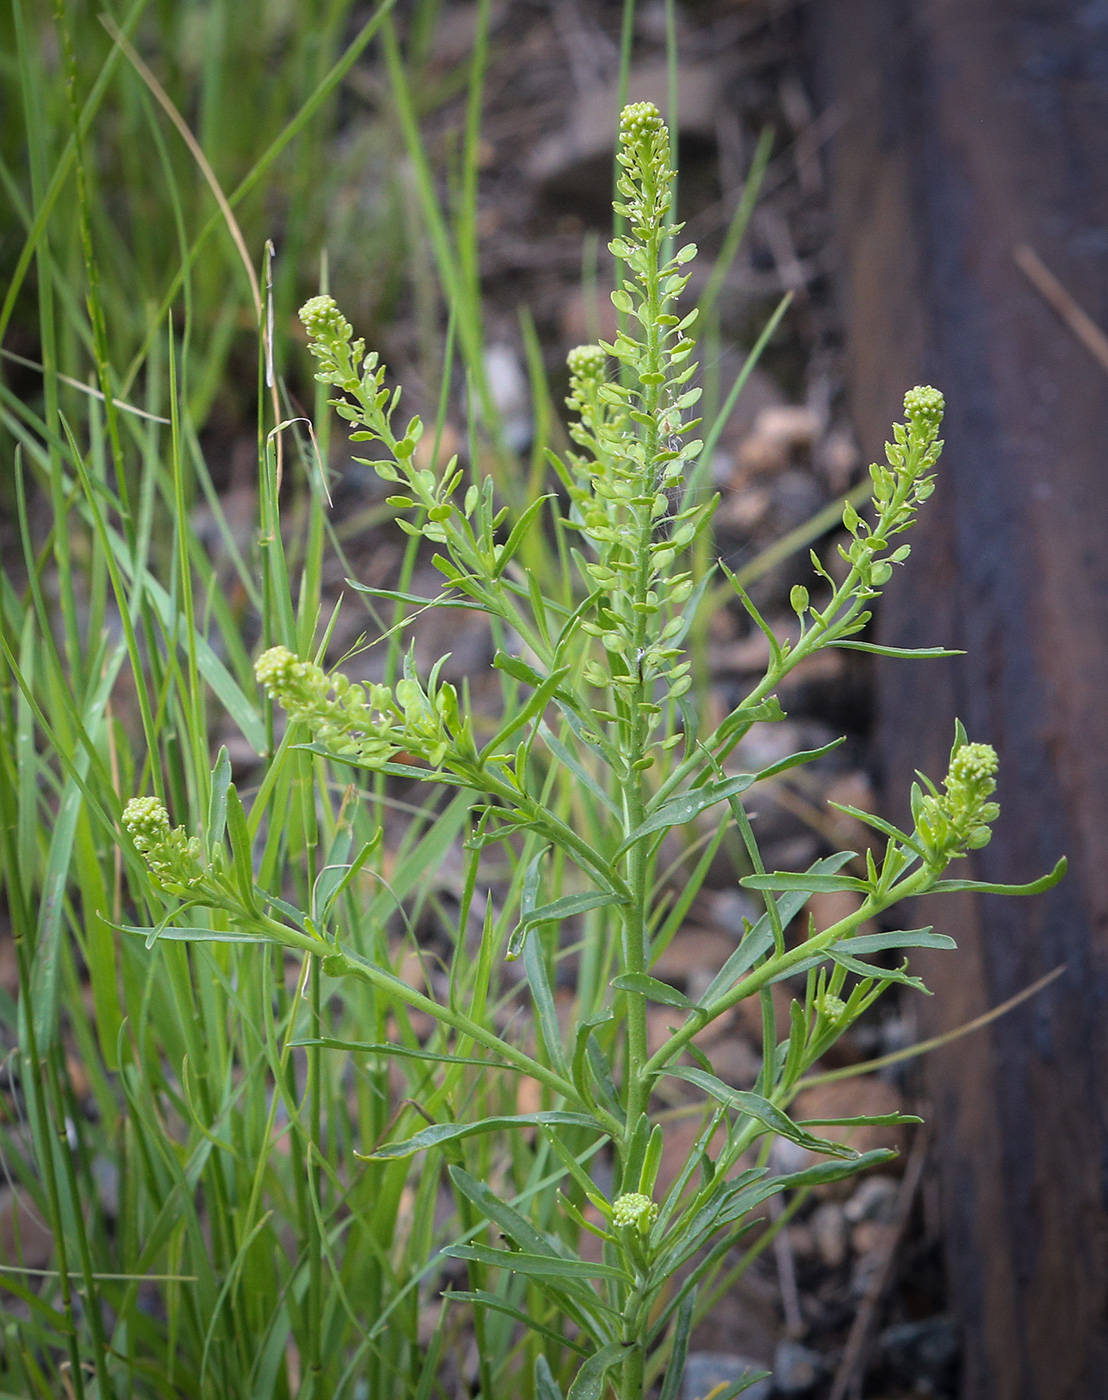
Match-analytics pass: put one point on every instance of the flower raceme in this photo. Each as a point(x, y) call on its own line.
point(956, 821)
point(175, 859)
point(367, 724)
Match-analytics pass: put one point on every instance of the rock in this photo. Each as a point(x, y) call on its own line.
point(510, 394)
point(692, 953)
point(584, 316)
point(778, 431)
point(796, 1368)
point(705, 1370)
point(730, 907)
point(875, 1199)
point(922, 1353)
point(837, 458)
point(743, 510)
point(873, 1237)
point(828, 1227)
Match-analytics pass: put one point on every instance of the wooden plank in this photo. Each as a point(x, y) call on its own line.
point(974, 127)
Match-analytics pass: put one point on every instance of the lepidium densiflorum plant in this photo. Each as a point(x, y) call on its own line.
point(596, 701)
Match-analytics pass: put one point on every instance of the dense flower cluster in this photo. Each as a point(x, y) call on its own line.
point(633, 1208)
point(339, 713)
point(366, 723)
point(175, 859)
point(958, 819)
point(924, 406)
point(323, 320)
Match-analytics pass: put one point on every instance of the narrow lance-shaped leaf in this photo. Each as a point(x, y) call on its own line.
point(676, 811)
point(1045, 882)
point(537, 1266)
point(653, 990)
point(439, 1133)
point(755, 1106)
point(590, 1381)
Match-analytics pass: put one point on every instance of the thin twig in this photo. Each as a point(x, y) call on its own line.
point(924, 1046)
point(1055, 295)
point(852, 1366)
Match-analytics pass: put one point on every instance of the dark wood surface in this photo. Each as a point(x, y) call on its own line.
point(974, 126)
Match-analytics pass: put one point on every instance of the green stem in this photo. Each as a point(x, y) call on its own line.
point(632, 1378)
point(781, 964)
point(636, 915)
point(353, 966)
point(315, 1257)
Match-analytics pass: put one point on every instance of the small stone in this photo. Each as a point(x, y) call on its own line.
point(828, 1227)
point(705, 1370)
point(872, 1237)
point(922, 1352)
point(510, 394)
point(796, 1368)
point(875, 1199)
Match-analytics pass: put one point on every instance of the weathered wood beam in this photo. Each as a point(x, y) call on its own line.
point(975, 126)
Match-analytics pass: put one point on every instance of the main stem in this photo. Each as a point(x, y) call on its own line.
point(638, 873)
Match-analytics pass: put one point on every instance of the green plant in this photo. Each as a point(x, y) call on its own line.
point(596, 755)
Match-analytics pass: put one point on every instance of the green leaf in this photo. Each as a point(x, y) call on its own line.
point(682, 1329)
point(540, 1266)
point(559, 909)
point(404, 1052)
point(226, 688)
point(807, 881)
point(242, 860)
point(534, 963)
point(1044, 882)
point(217, 803)
point(906, 938)
point(519, 532)
point(534, 706)
point(495, 1303)
point(794, 760)
point(505, 1217)
point(583, 776)
point(588, 1384)
point(755, 1106)
point(879, 974)
point(546, 1387)
point(908, 653)
point(438, 1133)
point(653, 990)
point(676, 811)
point(874, 1120)
point(519, 670)
point(878, 824)
point(393, 596)
point(333, 879)
point(736, 1388)
point(173, 933)
point(759, 939)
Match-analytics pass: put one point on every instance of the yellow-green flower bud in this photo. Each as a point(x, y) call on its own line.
point(147, 821)
point(323, 320)
point(587, 362)
point(633, 1208)
point(974, 766)
point(640, 120)
point(834, 1008)
point(174, 859)
point(924, 406)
